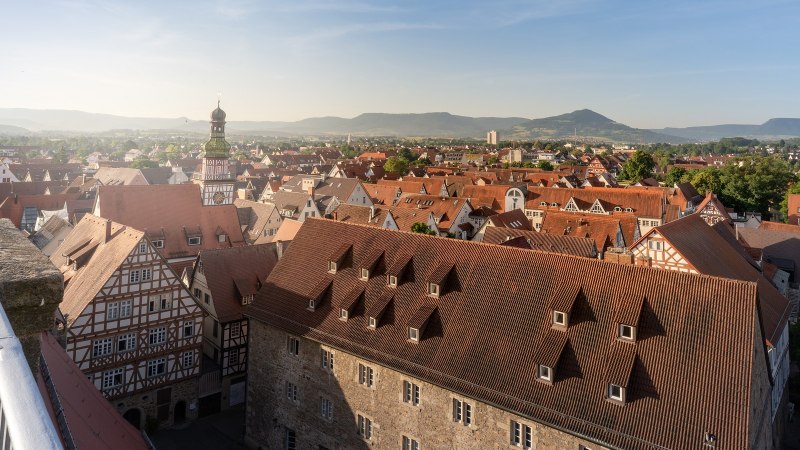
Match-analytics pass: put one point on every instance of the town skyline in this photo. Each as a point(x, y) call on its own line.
point(648, 66)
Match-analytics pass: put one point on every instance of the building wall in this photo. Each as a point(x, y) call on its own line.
point(147, 403)
point(762, 433)
point(269, 412)
point(665, 258)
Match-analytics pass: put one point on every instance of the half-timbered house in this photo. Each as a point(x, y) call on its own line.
point(128, 323)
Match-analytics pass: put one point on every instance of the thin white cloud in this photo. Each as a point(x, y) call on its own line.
point(335, 32)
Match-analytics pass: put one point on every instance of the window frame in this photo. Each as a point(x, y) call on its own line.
point(130, 342)
point(434, 290)
point(544, 373)
point(156, 367)
point(157, 336)
point(102, 347)
point(616, 398)
point(563, 315)
point(621, 335)
point(110, 377)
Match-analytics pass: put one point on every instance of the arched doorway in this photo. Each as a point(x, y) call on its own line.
point(134, 416)
point(180, 412)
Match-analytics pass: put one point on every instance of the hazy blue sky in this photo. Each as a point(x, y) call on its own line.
point(643, 63)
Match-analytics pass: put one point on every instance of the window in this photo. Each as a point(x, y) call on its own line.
point(343, 314)
point(413, 334)
point(291, 391)
point(326, 359)
point(312, 304)
point(157, 336)
point(113, 378)
point(365, 274)
point(158, 243)
point(521, 435)
point(615, 392)
point(206, 298)
point(364, 427)
point(197, 293)
point(113, 311)
point(133, 276)
point(188, 329)
point(462, 412)
point(147, 274)
point(628, 209)
point(142, 247)
point(102, 347)
point(326, 408)
point(410, 393)
point(158, 303)
point(410, 444)
point(392, 281)
point(433, 289)
point(626, 332)
point(156, 367)
point(332, 266)
point(222, 238)
point(293, 345)
point(559, 318)
point(125, 307)
point(366, 375)
point(545, 373)
point(247, 299)
point(654, 245)
point(373, 323)
point(290, 440)
point(187, 360)
point(126, 342)
point(235, 329)
point(194, 241)
point(215, 328)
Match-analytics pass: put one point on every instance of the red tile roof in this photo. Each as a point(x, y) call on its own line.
point(567, 245)
point(494, 314)
point(601, 228)
point(645, 203)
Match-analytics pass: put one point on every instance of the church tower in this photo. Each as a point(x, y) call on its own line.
point(216, 180)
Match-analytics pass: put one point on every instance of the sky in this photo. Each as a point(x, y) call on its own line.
point(647, 64)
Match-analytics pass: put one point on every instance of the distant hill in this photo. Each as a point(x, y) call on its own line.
point(771, 129)
point(13, 130)
point(585, 123)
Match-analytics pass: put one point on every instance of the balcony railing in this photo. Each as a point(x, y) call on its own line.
point(24, 420)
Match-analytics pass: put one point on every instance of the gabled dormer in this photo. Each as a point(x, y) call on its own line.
point(571, 205)
point(339, 258)
point(620, 363)
point(546, 359)
point(438, 283)
point(370, 265)
point(378, 309)
point(597, 207)
point(416, 326)
point(319, 294)
point(399, 270)
point(626, 321)
point(348, 303)
point(561, 303)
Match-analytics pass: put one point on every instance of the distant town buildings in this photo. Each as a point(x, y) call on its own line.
point(492, 137)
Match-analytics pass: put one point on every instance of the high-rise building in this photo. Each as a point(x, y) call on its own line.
point(216, 181)
point(492, 138)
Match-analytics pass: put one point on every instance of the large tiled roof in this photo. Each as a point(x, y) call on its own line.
point(382, 194)
point(568, 245)
point(14, 206)
point(97, 259)
point(87, 419)
point(644, 203)
point(511, 219)
point(32, 188)
point(493, 321)
point(253, 217)
point(121, 176)
point(171, 212)
point(230, 271)
point(603, 229)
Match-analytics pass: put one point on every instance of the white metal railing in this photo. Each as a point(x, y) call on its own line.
point(25, 423)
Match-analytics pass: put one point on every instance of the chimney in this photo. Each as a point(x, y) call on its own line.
point(310, 189)
point(335, 215)
point(371, 212)
point(108, 230)
point(279, 249)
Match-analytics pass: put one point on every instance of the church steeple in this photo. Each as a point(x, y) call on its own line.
point(216, 180)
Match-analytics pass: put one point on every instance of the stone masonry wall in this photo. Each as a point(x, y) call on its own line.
point(269, 412)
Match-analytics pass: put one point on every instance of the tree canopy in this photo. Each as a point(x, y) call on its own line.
point(143, 163)
point(396, 165)
point(420, 227)
point(638, 167)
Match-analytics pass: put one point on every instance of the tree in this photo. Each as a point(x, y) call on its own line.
point(638, 167)
point(674, 176)
point(423, 162)
point(143, 163)
point(61, 156)
point(704, 180)
point(492, 160)
point(755, 184)
point(348, 151)
point(407, 154)
point(545, 165)
point(419, 227)
point(396, 165)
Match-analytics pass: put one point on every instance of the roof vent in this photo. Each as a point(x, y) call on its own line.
point(710, 440)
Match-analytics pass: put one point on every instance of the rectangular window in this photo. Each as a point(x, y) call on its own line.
point(188, 329)
point(133, 276)
point(290, 440)
point(433, 289)
point(326, 408)
point(615, 392)
point(392, 281)
point(125, 307)
point(235, 329)
point(545, 373)
point(332, 266)
point(528, 435)
point(413, 334)
point(113, 378)
point(142, 247)
point(102, 347)
point(410, 444)
point(516, 433)
point(247, 299)
point(157, 336)
point(126, 342)
point(291, 391)
point(373, 322)
point(113, 311)
point(156, 367)
point(467, 413)
point(654, 245)
point(343, 314)
point(366, 375)
point(559, 318)
point(293, 345)
point(158, 243)
point(364, 427)
point(233, 358)
point(206, 298)
point(625, 332)
point(147, 274)
point(197, 293)
point(326, 359)
point(158, 303)
point(194, 241)
point(187, 360)
point(365, 274)
point(410, 393)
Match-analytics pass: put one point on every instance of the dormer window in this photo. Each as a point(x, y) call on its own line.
point(616, 393)
point(433, 289)
point(392, 281)
point(560, 318)
point(617, 209)
point(364, 274)
point(343, 314)
point(710, 440)
point(545, 373)
point(542, 203)
point(626, 332)
point(413, 334)
point(158, 243)
point(554, 204)
point(332, 266)
point(222, 238)
point(373, 323)
point(628, 209)
point(194, 241)
point(312, 304)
